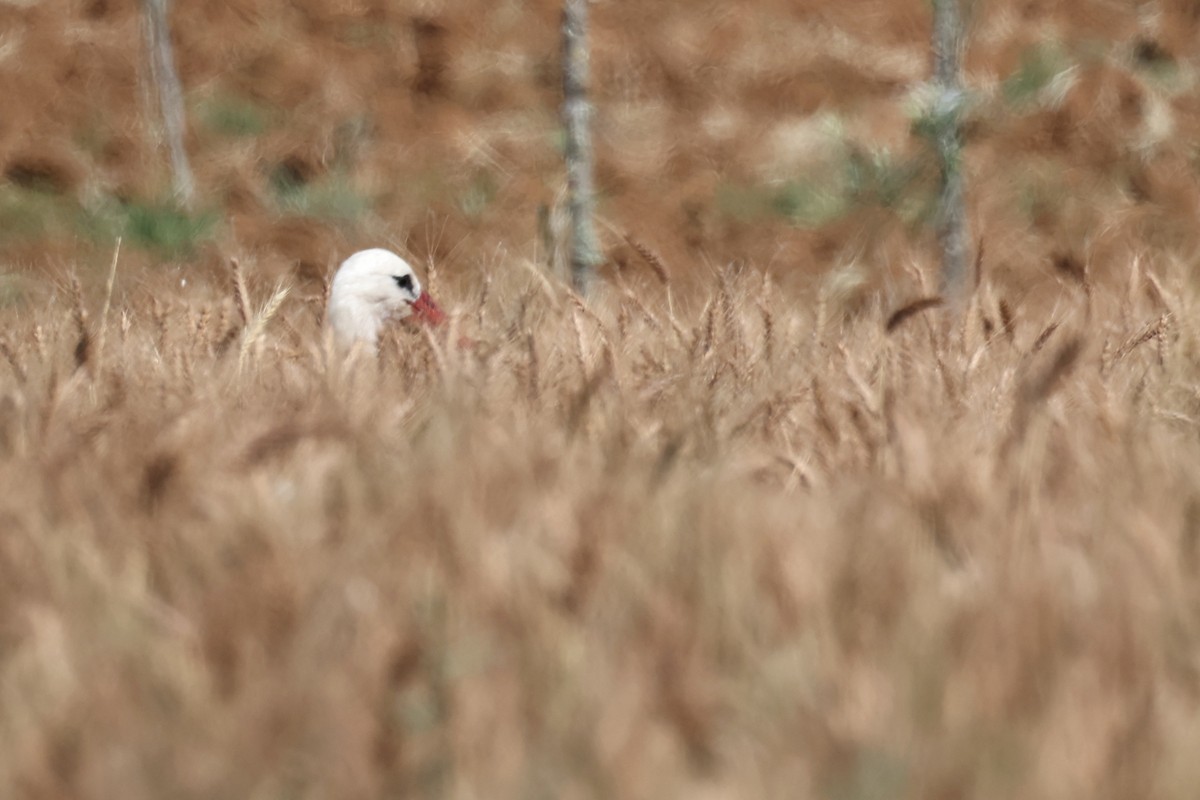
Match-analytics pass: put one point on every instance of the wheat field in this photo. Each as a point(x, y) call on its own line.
point(760, 518)
point(681, 541)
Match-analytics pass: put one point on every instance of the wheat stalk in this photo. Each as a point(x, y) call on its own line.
point(109, 283)
point(241, 297)
point(652, 259)
point(253, 334)
point(83, 345)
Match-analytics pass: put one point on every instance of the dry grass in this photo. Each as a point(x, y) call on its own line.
point(722, 532)
point(659, 547)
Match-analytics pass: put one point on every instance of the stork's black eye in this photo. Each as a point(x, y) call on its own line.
point(405, 282)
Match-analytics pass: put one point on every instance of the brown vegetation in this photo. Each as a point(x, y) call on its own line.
point(780, 135)
point(761, 519)
point(715, 546)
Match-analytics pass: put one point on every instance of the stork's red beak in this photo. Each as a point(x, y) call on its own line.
point(428, 311)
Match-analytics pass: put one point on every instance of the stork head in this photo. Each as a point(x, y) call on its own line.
point(372, 288)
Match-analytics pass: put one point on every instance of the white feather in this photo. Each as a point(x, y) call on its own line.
point(367, 294)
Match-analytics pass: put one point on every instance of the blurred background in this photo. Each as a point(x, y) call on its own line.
point(781, 134)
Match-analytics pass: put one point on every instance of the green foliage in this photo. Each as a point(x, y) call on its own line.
point(12, 290)
point(26, 213)
point(876, 178)
point(1040, 193)
point(938, 113)
point(480, 192)
point(165, 228)
point(808, 203)
point(805, 201)
point(30, 214)
point(861, 179)
point(1038, 68)
point(332, 197)
point(234, 117)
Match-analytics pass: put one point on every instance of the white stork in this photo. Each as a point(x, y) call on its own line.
point(372, 288)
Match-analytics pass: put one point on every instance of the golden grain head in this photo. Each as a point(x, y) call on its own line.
point(580, 517)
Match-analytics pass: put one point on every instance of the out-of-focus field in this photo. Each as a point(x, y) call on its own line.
point(748, 523)
point(775, 133)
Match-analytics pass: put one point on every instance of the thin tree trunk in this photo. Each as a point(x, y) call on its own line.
point(585, 247)
point(170, 97)
point(952, 233)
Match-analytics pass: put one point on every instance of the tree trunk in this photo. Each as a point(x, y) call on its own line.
point(585, 247)
point(952, 233)
point(170, 97)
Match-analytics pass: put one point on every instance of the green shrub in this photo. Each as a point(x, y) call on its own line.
point(332, 197)
point(478, 195)
point(831, 191)
point(165, 228)
point(234, 117)
point(1039, 66)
